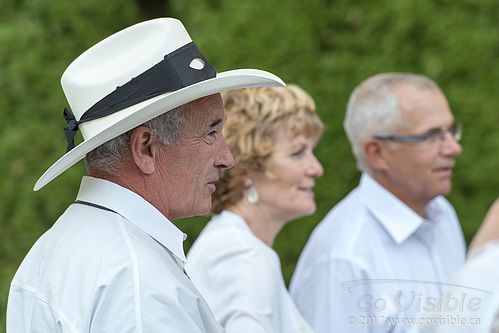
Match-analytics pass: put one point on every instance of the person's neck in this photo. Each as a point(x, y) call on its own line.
point(417, 203)
point(141, 185)
point(261, 221)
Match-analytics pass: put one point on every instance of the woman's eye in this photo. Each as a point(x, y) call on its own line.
point(298, 152)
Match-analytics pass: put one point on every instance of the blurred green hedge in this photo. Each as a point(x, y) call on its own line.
point(325, 46)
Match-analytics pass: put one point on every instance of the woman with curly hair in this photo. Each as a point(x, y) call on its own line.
point(271, 133)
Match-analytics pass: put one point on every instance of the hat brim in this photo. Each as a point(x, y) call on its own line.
point(229, 80)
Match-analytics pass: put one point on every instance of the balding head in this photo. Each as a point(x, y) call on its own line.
point(374, 108)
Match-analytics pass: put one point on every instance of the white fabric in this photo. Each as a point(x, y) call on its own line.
point(100, 271)
point(372, 259)
point(241, 279)
point(476, 288)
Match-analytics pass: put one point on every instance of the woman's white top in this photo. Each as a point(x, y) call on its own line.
point(240, 278)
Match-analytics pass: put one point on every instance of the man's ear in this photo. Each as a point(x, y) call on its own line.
point(374, 150)
point(144, 149)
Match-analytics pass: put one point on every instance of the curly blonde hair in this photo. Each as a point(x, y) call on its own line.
point(253, 116)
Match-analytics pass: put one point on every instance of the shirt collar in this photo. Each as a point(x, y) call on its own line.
point(237, 221)
point(397, 218)
point(233, 218)
point(136, 209)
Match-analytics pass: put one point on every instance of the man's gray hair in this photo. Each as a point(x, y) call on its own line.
point(373, 109)
point(167, 126)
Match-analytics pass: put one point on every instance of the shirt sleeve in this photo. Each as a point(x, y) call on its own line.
point(23, 304)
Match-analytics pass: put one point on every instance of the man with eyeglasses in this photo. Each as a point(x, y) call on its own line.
point(378, 260)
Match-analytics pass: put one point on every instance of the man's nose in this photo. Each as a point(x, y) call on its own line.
point(224, 158)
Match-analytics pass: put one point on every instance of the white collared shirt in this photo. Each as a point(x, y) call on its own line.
point(372, 261)
point(241, 279)
point(475, 290)
point(107, 271)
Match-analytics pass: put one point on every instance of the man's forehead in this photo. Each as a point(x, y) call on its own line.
point(424, 109)
point(412, 89)
point(206, 111)
point(211, 103)
point(210, 99)
point(414, 97)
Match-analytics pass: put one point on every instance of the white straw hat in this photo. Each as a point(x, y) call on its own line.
point(134, 76)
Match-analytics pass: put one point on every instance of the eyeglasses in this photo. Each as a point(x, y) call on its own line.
point(432, 136)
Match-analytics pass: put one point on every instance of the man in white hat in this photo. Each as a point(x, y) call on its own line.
point(148, 105)
point(379, 258)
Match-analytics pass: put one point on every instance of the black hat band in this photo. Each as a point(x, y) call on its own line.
point(181, 68)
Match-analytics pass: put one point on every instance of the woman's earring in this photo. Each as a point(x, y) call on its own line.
point(252, 192)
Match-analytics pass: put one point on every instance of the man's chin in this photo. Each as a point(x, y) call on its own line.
point(445, 189)
point(202, 209)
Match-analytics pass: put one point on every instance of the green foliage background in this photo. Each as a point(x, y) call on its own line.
point(325, 46)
